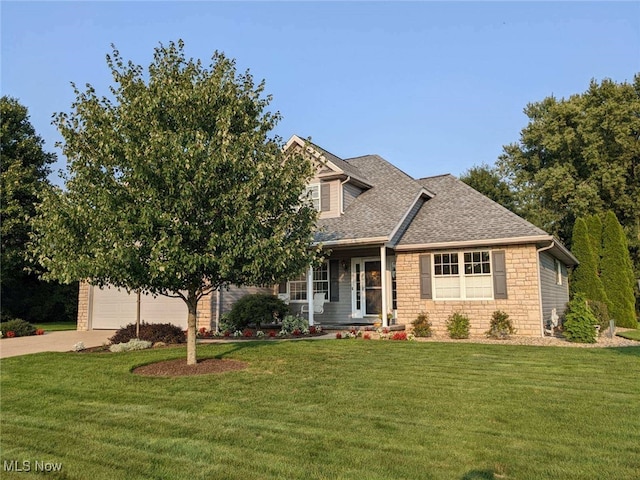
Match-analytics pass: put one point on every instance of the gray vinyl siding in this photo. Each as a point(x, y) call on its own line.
point(341, 311)
point(553, 295)
point(231, 296)
point(351, 192)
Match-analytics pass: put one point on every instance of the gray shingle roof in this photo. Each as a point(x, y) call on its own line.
point(343, 165)
point(458, 213)
point(376, 212)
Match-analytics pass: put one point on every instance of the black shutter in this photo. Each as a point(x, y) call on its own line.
point(282, 287)
point(499, 275)
point(334, 278)
point(325, 194)
point(425, 276)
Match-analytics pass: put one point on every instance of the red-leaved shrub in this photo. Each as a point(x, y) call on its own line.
point(399, 336)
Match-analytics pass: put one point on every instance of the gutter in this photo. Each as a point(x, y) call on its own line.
point(538, 252)
point(352, 241)
point(470, 243)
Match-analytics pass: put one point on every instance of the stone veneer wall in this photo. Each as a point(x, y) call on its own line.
point(83, 306)
point(522, 304)
point(204, 313)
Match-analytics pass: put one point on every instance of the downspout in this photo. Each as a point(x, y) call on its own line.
point(538, 252)
point(218, 309)
point(342, 193)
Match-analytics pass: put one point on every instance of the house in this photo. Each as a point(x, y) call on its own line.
point(398, 246)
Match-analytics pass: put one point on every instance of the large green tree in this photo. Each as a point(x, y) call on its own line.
point(617, 272)
point(580, 156)
point(24, 167)
point(487, 180)
point(175, 186)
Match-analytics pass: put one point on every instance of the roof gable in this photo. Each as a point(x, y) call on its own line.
point(458, 213)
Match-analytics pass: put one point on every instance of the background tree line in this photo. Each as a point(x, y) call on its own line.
point(576, 158)
point(24, 168)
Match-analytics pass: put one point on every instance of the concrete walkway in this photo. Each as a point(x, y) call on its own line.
point(52, 342)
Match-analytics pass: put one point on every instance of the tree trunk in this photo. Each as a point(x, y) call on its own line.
point(192, 305)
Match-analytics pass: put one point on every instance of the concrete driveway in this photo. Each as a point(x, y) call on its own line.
point(52, 342)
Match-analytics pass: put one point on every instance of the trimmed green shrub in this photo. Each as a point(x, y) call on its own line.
point(422, 326)
point(458, 325)
point(580, 323)
point(19, 327)
point(601, 312)
point(257, 308)
point(133, 344)
point(225, 325)
point(151, 332)
point(291, 323)
point(617, 273)
point(500, 326)
point(585, 278)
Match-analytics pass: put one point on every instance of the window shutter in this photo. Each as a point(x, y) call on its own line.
point(334, 279)
point(282, 287)
point(425, 276)
point(325, 202)
point(499, 275)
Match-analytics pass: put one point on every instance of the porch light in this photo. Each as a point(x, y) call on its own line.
point(345, 266)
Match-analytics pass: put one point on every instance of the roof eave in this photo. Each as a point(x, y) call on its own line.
point(353, 241)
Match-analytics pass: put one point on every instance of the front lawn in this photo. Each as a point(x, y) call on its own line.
point(57, 326)
point(326, 409)
point(630, 334)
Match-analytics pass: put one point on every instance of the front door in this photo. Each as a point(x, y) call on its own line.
point(366, 287)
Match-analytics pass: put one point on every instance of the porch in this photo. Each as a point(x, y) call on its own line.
point(352, 288)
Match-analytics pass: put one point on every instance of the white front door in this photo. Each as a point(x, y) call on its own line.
point(366, 287)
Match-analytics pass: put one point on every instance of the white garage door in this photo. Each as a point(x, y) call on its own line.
point(112, 309)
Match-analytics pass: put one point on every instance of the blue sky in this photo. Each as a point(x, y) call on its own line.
point(432, 87)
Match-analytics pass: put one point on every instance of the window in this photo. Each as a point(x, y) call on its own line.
point(558, 266)
point(312, 192)
point(475, 281)
point(298, 286)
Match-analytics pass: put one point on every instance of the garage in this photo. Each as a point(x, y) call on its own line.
point(111, 309)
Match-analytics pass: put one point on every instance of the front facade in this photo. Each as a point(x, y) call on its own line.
point(397, 247)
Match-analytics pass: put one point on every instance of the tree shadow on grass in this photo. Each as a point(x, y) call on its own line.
point(236, 347)
point(479, 475)
point(632, 351)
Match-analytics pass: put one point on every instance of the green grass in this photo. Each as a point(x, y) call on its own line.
point(57, 326)
point(350, 409)
point(631, 334)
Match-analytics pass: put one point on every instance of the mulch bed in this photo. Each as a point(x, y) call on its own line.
point(179, 367)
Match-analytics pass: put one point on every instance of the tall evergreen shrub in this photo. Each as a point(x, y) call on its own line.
point(594, 229)
point(617, 273)
point(585, 278)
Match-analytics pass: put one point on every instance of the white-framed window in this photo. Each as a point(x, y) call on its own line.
point(558, 267)
point(463, 275)
point(297, 288)
point(312, 192)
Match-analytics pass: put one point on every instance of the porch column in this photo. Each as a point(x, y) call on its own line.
point(310, 294)
point(383, 273)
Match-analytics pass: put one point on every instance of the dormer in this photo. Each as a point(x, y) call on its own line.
point(335, 183)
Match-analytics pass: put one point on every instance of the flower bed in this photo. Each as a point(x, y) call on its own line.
point(265, 334)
